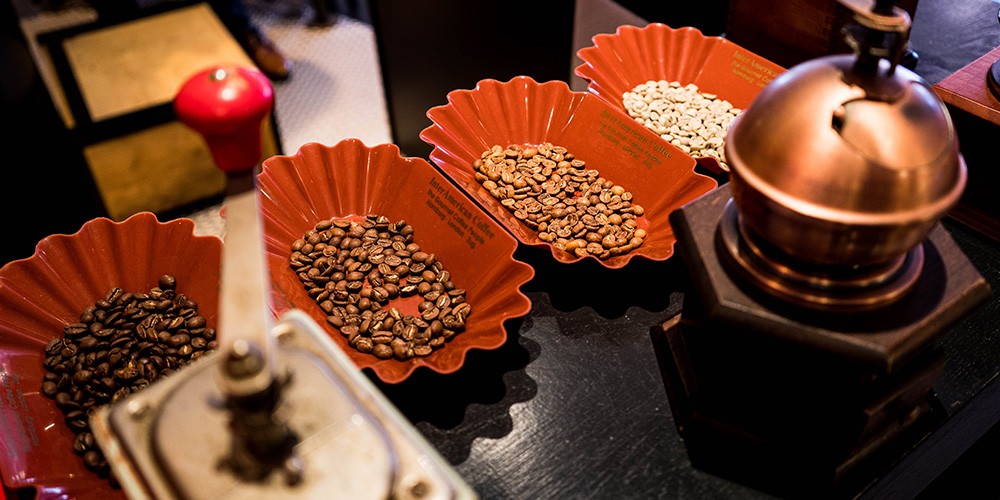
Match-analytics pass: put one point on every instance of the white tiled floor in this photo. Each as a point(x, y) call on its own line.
point(335, 91)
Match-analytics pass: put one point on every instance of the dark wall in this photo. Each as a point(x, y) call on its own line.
point(46, 187)
point(709, 16)
point(428, 48)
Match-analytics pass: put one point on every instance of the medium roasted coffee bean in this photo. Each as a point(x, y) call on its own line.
point(82, 377)
point(382, 351)
point(83, 443)
point(375, 261)
point(181, 339)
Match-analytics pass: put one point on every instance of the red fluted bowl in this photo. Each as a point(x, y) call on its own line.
point(42, 293)
point(352, 180)
point(616, 62)
point(525, 112)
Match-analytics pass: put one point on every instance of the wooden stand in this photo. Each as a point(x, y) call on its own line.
point(799, 402)
point(975, 110)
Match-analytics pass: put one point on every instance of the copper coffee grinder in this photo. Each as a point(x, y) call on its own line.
point(804, 357)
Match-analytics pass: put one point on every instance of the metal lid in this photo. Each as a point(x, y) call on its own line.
point(839, 168)
point(849, 148)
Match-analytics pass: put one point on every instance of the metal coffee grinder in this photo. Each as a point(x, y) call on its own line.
point(278, 410)
point(804, 357)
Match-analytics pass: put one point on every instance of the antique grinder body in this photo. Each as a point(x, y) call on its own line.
point(278, 411)
point(805, 355)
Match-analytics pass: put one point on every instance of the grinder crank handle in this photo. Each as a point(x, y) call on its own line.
point(226, 105)
point(302, 390)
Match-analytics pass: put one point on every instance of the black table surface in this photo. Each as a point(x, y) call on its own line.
point(574, 406)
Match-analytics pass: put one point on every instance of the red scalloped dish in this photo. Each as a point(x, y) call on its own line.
point(350, 180)
point(617, 62)
point(41, 294)
point(525, 112)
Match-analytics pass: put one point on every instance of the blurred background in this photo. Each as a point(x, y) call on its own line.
point(370, 70)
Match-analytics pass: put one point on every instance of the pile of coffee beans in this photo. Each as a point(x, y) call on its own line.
point(694, 121)
point(570, 206)
point(355, 269)
point(121, 344)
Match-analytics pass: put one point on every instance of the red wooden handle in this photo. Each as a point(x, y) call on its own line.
point(226, 105)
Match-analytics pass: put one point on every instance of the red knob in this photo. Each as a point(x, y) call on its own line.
point(226, 105)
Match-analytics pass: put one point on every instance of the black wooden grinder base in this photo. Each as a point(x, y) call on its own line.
point(801, 402)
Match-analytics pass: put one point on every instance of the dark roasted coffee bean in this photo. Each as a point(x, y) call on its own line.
point(54, 346)
point(74, 330)
point(196, 322)
point(402, 352)
point(176, 323)
point(50, 388)
point(364, 344)
point(89, 343)
point(93, 460)
point(443, 301)
point(113, 351)
point(82, 377)
point(167, 282)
